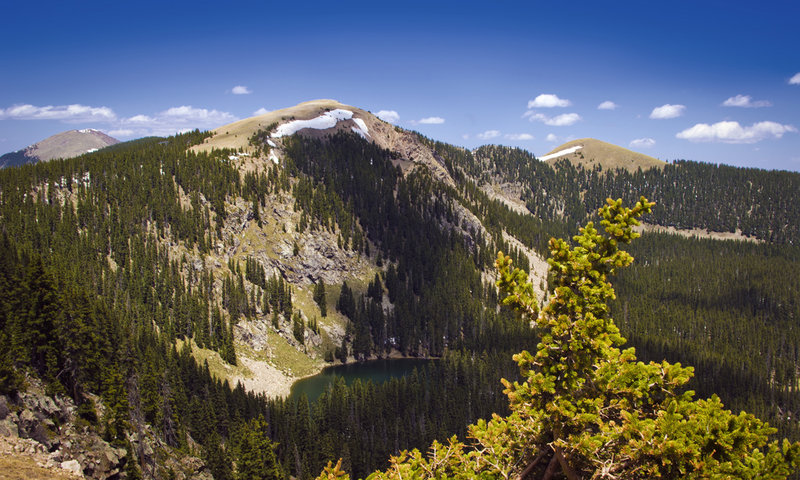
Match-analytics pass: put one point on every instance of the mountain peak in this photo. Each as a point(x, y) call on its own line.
point(318, 118)
point(589, 152)
point(61, 145)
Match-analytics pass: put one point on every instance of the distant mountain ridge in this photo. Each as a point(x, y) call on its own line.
point(589, 152)
point(61, 145)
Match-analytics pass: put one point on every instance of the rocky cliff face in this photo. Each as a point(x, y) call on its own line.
point(44, 436)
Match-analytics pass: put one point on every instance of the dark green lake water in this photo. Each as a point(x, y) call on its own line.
point(378, 371)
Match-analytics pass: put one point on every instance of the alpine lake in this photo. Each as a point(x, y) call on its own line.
point(376, 371)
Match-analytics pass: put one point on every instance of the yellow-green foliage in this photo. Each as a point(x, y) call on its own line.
point(587, 409)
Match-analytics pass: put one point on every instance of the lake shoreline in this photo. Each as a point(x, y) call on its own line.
point(375, 369)
point(393, 355)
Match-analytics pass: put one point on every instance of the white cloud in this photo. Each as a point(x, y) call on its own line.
point(389, 116)
point(551, 138)
point(431, 121)
point(607, 105)
point(488, 134)
point(519, 136)
point(168, 122)
point(175, 120)
point(563, 120)
point(548, 100)
point(121, 133)
point(745, 101)
point(187, 113)
point(795, 80)
point(241, 90)
point(642, 143)
point(667, 111)
point(261, 111)
point(67, 113)
point(140, 119)
point(732, 132)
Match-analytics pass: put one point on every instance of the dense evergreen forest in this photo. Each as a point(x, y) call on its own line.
point(702, 302)
point(730, 309)
point(92, 301)
point(720, 198)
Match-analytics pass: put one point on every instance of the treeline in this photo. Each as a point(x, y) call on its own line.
point(729, 309)
point(759, 203)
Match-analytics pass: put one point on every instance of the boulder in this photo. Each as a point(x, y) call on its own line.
point(8, 428)
point(47, 406)
point(4, 408)
point(72, 466)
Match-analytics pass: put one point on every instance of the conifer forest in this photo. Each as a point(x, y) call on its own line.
point(632, 336)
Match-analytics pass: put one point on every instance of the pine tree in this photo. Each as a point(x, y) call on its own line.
point(298, 327)
point(257, 459)
point(320, 298)
point(586, 408)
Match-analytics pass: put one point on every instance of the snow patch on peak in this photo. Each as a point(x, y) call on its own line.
point(359, 132)
point(561, 153)
point(361, 126)
point(87, 130)
point(322, 122)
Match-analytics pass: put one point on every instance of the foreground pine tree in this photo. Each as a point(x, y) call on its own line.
point(588, 409)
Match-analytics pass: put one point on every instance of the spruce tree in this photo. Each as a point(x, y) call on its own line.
point(320, 298)
point(586, 408)
point(257, 459)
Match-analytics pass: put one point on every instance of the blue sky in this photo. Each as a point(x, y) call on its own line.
point(529, 74)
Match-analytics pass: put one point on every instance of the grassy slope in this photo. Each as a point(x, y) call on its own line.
point(607, 155)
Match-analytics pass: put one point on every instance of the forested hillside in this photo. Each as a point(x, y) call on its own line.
point(122, 269)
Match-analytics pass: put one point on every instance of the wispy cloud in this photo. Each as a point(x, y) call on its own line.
point(261, 111)
point(519, 136)
point(642, 143)
point(121, 133)
point(175, 120)
point(489, 134)
point(667, 111)
point(607, 105)
point(732, 132)
point(241, 90)
point(795, 80)
point(563, 120)
point(389, 116)
point(167, 122)
point(548, 100)
point(66, 113)
point(187, 113)
point(552, 137)
point(431, 121)
point(745, 101)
